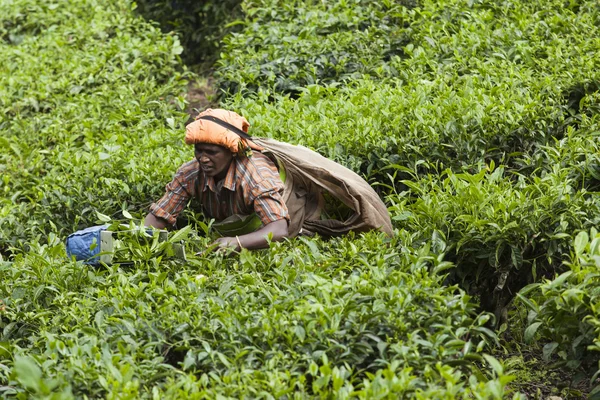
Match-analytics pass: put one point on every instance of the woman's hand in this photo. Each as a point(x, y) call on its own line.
point(277, 230)
point(226, 243)
point(221, 244)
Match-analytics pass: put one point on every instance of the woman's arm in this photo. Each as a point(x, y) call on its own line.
point(152, 221)
point(257, 239)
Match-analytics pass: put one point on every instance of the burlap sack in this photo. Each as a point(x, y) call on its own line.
point(308, 176)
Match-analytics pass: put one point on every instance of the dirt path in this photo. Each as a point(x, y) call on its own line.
point(201, 95)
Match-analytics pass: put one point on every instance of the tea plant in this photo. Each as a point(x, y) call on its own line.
point(423, 98)
point(200, 25)
point(286, 45)
point(368, 125)
point(473, 82)
point(502, 232)
point(563, 311)
point(313, 318)
point(88, 115)
point(577, 152)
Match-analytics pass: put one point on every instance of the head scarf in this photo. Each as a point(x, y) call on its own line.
point(203, 131)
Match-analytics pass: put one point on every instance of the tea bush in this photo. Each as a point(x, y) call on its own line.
point(89, 114)
point(577, 152)
point(478, 84)
point(564, 311)
point(286, 45)
point(369, 125)
point(473, 81)
point(200, 25)
point(478, 119)
point(502, 230)
point(304, 319)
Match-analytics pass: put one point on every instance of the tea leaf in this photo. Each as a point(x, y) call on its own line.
point(530, 331)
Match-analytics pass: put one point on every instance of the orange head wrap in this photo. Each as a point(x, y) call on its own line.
point(203, 131)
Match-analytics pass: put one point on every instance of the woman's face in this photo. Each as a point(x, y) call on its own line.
point(214, 160)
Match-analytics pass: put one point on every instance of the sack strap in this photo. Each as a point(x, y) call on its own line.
point(227, 126)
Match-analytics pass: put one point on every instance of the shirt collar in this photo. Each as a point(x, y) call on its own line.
point(228, 183)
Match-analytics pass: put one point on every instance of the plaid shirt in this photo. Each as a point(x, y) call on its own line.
point(251, 185)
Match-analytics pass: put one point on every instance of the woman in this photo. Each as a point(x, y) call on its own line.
point(231, 179)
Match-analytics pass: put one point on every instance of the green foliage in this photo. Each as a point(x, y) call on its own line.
point(577, 153)
point(306, 317)
point(286, 45)
point(200, 25)
point(369, 125)
point(474, 84)
point(476, 81)
point(478, 119)
point(89, 120)
point(565, 311)
point(501, 231)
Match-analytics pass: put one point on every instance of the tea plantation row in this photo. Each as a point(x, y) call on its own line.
point(481, 130)
point(477, 122)
point(88, 114)
point(313, 319)
point(90, 124)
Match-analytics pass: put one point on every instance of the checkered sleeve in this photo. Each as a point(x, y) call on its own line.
point(267, 193)
point(177, 194)
point(270, 207)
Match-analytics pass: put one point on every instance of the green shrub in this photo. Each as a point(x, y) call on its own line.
point(91, 99)
point(338, 318)
point(200, 25)
point(89, 120)
point(502, 232)
point(565, 311)
point(471, 82)
point(577, 151)
point(286, 45)
point(369, 125)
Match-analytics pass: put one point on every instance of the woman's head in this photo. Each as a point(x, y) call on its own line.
point(214, 160)
point(205, 131)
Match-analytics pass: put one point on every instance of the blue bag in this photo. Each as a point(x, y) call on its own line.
point(80, 243)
